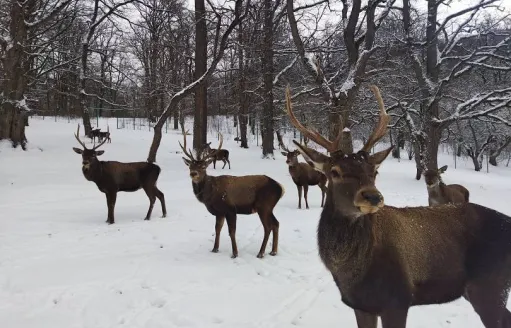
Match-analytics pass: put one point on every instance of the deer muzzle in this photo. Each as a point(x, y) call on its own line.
point(369, 200)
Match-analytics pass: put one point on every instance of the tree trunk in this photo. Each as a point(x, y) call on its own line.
point(267, 67)
point(12, 110)
point(496, 152)
point(201, 60)
point(243, 98)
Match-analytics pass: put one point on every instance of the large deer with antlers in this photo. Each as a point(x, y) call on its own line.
point(385, 259)
point(225, 196)
point(304, 175)
point(112, 177)
point(440, 193)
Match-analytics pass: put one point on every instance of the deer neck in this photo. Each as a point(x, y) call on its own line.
point(437, 190)
point(202, 189)
point(345, 242)
point(94, 172)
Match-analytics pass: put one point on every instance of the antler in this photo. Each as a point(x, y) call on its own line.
point(381, 128)
point(78, 138)
point(311, 134)
point(187, 153)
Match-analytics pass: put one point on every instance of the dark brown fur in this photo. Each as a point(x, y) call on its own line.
point(93, 134)
point(440, 193)
point(385, 259)
point(217, 155)
point(304, 175)
point(111, 177)
point(105, 135)
point(226, 196)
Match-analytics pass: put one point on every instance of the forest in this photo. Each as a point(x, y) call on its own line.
point(443, 67)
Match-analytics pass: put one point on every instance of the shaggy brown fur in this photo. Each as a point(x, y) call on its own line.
point(226, 196)
point(112, 177)
point(304, 175)
point(385, 259)
point(440, 193)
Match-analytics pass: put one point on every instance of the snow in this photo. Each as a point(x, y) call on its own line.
point(62, 266)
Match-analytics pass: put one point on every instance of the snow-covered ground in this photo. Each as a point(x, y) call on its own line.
point(62, 266)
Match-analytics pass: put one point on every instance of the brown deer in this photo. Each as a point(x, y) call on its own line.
point(440, 193)
point(93, 134)
point(385, 259)
point(217, 154)
point(225, 196)
point(112, 177)
point(304, 175)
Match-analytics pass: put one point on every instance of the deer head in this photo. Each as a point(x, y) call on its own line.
point(198, 165)
point(89, 156)
point(351, 177)
point(291, 156)
point(433, 178)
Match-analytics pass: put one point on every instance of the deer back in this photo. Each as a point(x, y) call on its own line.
point(304, 174)
point(241, 194)
point(127, 176)
point(459, 194)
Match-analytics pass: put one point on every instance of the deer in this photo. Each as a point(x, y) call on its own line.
point(111, 177)
point(105, 135)
point(304, 175)
point(440, 193)
point(217, 154)
point(93, 134)
point(226, 196)
point(384, 259)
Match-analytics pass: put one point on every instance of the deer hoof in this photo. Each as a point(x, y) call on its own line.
point(272, 253)
point(234, 256)
point(260, 255)
point(214, 250)
point(147, 219)
point(164, 216)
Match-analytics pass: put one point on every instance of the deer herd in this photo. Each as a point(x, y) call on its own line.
point(383, 259)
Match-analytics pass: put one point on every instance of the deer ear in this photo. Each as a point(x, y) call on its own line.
point(317, 159)
point(283, 153)
point(187, 161)
point(100, 152)
point(442, 169)
point(77, 150)
point(377, 158)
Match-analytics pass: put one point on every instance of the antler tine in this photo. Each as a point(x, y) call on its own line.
point(77, 134)
point(311, 134)
point(188, 154)
point(99, 145)
point(384, 120)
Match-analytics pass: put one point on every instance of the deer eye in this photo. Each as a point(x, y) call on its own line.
point(349, 176)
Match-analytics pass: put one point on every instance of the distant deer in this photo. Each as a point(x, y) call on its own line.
point(112, 177)
point(217, 154)
point(93, 134)
point(385, 259)
point(304, 175)
point(105, 135)
point(225, 196)
point(440, 193)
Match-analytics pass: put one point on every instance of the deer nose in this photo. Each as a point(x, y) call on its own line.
point(193, 174)
point(372, 197)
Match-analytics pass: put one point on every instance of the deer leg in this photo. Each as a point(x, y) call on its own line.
point(228, 161)
point(275, 232)
point(305, 192)
point(299, 196)
point(394, 318)
point(111, 197)
point(161, 198)
point(489, 301)
point(218, 228)
point(366, 320)
point(150, 192)
point(225, 163)
point(231, 224)
point(214, 164)
point(266, 220)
